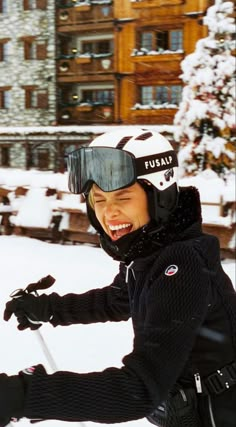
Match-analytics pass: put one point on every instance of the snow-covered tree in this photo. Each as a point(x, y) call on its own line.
point(205, 121)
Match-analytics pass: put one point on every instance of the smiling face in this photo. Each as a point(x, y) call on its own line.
point(122, 211)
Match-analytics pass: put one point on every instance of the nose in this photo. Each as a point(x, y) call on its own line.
point(111, 210)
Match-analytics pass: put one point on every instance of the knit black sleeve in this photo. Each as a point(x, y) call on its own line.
point(98, 305)
point(175, 307)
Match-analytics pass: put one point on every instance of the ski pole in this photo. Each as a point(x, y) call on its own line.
point(46, 351)
point(44, 283)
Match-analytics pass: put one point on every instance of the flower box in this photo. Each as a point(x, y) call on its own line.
point(84, 108)
point(83, 8)
point(83, 60)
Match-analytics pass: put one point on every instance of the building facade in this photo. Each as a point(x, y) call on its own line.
point(119, 61)
point(27, 62)
point(87, 63)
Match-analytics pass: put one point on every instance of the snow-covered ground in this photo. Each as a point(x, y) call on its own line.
point(76, 348)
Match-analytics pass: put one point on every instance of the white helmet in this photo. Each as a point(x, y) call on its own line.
point(118, 159)
point(159, 161)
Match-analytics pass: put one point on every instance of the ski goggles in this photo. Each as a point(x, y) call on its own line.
point(109, 168)
point(112, 169)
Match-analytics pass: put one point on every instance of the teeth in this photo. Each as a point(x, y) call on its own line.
point(118, 227)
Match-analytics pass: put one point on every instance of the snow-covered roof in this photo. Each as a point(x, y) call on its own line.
point(78, 129)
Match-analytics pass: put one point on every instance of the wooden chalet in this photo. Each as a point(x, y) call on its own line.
point(119, 61)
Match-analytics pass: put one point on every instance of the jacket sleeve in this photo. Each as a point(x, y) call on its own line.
point(110, 303)
point(175, 308)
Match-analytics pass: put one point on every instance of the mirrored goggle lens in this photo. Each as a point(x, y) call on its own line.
point(109, 168)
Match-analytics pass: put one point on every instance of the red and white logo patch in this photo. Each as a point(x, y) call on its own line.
point(171, 270)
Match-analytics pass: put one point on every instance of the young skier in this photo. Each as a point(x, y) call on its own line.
point(182, 369)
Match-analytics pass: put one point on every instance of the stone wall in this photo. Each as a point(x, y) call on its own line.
point(17, 72)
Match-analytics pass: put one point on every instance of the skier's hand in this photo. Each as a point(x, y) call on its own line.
point(11, 398)
point(29, 310)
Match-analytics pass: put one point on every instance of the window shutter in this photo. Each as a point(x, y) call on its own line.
point(1, 99)
point(27, 98)
point(43, 100)
point(41, 4)
point(41, 51)
point(26, 5)
point(26, 50)
point(1, 52)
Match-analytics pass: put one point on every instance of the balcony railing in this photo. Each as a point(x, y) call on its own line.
point(93, 12)
point(85, 113)
point(152, 56)
point(154, 3)
point(85, 64)
point(150, 116)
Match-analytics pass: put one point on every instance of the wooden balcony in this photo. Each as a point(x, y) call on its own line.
point(162, 63)
point(159, 57)
point(88, 13)
point(83, 66)
point(152, 68)
point(141, 4)
point(149, 116)
point(86, 114)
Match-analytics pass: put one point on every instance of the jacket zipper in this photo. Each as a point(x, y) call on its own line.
point(198, 384)
point(128, 267)
point(213, 424)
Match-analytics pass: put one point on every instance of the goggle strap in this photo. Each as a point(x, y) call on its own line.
point(156, 163)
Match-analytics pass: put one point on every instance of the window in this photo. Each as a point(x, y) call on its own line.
point(146, 40)
point(98, 96)
point(43, 157)
point(3, 6)
point(176, 39)
point(35, 97)
point(97, 47)
point(160, 95)
point(35, 4)
point(146, 95)
point(34, 49)
point(161, 40)
point(5, 97)
point(4, 50)
point(5, 155)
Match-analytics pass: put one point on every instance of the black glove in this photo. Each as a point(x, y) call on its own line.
point(11, 398)
point(29, 310)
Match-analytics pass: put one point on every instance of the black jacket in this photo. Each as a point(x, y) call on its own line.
point(183, 309)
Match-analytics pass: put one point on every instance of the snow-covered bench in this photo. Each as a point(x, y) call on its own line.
point(222, 225)
point(35, 217)
point(75, 226)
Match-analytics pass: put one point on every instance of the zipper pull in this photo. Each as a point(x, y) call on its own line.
point(198, 382)
point(127, 271)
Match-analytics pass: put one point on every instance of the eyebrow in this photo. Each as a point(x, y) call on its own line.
point(118, 192)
